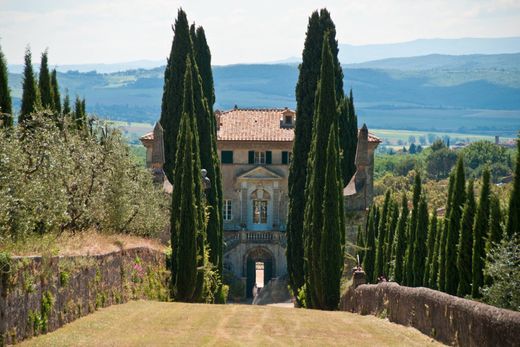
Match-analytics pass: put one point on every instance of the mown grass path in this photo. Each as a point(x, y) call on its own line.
point(149, 323)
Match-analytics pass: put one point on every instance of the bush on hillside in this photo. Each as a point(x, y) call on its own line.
point(55, 178)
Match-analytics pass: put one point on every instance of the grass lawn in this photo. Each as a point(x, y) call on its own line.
point(145, 323)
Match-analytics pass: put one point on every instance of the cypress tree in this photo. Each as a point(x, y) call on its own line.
point(495, 228)
point(204, 99)
point(420, 248)
point(380, 252)
point(465, 246)
point(389, 243)
point(441, 282)
point(66, 104)
point(326, 117)
point(351, 147)
point(173, 89)
point(79, 116)
point(44, 83)
point(457, 203)
point(401, 241)
point(408, 275)
point(434, 264)
point(369, 257)
point(187, 206)
point(480, 229)
point(319, 23)
point(360, 243)
point(55, 92)
point(430, 255)
point(30, 93)
point(331, 252)
point(513, 216)
point(6, 110)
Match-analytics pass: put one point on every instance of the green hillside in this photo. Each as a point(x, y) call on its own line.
point(469, 94)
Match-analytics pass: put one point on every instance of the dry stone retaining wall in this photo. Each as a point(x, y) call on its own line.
point(446, 318)
point(41, 294)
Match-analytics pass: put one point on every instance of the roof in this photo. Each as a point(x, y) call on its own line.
point(242, 124)
point(253, 125)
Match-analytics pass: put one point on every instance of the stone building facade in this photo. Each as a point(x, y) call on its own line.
point(254, 148)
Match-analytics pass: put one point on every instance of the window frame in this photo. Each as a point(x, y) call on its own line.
point(227, 207)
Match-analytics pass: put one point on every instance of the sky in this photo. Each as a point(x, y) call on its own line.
point(238, 31)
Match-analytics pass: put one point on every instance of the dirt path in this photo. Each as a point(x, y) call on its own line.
point(150, 323)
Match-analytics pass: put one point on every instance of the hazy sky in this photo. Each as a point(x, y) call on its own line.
point(109, 31)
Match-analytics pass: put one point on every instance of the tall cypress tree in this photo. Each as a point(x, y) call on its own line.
point(370, 253)
point(326, 117)
point(495, 228)
point(173, 89)
point(380, 252)
point(513, 216)
point(457, 203)
point(66, 104)
point(319, 23)
point(408, 275)
point(441, 282)
point(480, 229)
point(401, 241)
point(6, 110)
point(430, 255)
point(351, 147)
point(44, 83)
point(204, 99)
point(187, 205)
point(331, 252)
point(434, 264)
point(389, 243)
point(465, 245)
point(420, 248)
point(55, 92)
point(30, 93)
point(360, 243)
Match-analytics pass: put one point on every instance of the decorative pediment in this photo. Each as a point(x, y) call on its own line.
point(260, 173)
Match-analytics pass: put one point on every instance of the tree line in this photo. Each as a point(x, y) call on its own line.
point(449, 253)
point(323, 163)
point(39, 92)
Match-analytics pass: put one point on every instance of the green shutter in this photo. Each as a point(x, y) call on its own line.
point(285, 157)
point(268, 157)
point(227, 157)
point(251, 157)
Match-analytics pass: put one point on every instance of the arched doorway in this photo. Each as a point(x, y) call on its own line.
point(258, 259)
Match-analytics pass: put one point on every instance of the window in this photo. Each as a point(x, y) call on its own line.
point(286, 157)
point(259, 157)
point(288, 120)
point(227, 210)
point(226, 157)
point(259, 211)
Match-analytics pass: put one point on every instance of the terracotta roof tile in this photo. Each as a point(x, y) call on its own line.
point(253, 125)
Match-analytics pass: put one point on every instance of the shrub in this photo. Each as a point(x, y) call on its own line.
point(55, 178)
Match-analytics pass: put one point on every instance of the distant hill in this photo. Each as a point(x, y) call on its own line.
point(472, 94)
point(349, 54)
point(100, 68)
point(441, 61)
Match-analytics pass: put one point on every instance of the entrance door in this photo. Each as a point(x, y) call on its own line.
point(251, 277)
point(268, 271)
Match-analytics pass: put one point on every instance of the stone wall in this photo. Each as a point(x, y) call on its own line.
point(446, 318)
point(40, 294)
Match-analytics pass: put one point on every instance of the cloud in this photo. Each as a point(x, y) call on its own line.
point(85, 31)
